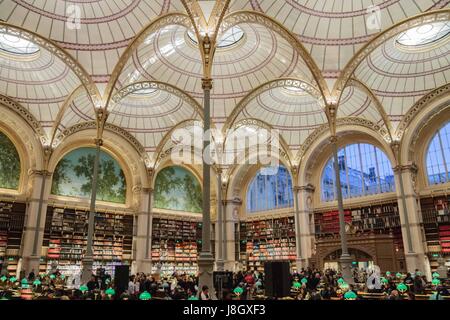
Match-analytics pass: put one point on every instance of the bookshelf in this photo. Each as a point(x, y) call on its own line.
point(436, 222)
point(12, 219)
point(175, 245)
point(266, 240)
point(66, 240)
point(379, 218)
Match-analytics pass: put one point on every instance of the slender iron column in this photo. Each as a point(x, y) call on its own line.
point(298, 237)
point(88, 258)
point(148, 233)
point(345, 260)
point(220, 260)
point(44, 174)
point(206, 259)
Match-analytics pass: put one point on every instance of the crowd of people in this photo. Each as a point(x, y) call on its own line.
point(307, 284)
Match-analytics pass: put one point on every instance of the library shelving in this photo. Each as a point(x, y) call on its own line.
point(436, 222)
point(175, 245)
point(375, 218)
point(67, 235)
point(12, 219)
point(267, 240)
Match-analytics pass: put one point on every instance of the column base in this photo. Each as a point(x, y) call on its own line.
point(87, 270)
point(205, 268)
point(345, 262)
point(418, 261)
point(30, 263)
point(220, 265)
point(144, 266)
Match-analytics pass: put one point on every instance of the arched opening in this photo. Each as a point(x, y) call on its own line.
point(360, 259)
point(438, 157)
point(9, 164)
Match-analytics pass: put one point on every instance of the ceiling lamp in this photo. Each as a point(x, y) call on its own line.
point(424, 35)
point(16, 46)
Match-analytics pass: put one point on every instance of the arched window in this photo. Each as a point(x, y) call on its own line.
point(364, 170)
point(178, 189)
point(9, 164)
point(438, 157)
point(270, 189)
point(73, 176)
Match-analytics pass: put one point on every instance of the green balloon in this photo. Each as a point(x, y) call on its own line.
point(13, 279)
point(25, 286)
point(52, 276)
point(344, 286)
point(63, 276)
point(436, 275)
point(296, 285)
point(399, 275)
point(350, 295)
point(384, 280)
point(84, 288)
point(304, 280)
point(388, 273)
point(145, 296)
point(110, 292)
point(340, 281)
point(193, 298)
point(3, 278)
point(24, 281)
point(238, 290)
point(402, 287)
point(37, 282)
point(436, 282)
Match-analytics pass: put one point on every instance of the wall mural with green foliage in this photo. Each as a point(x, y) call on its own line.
point(178, 189)
point(73, 176)
point(9, 164)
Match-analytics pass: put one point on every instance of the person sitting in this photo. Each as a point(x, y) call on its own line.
point(204, 294)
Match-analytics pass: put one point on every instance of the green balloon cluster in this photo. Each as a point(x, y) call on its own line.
point(402, 287)
point(110, 292)
point(84, 288)
point(436, 275)
point(436, 282)
point(238, 291)
point(296, 285)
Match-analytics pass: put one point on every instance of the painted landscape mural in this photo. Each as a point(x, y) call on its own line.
point(9, 164)
point(178, 189)
point(73, 176)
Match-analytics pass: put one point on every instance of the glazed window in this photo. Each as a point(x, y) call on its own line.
point(438, 157)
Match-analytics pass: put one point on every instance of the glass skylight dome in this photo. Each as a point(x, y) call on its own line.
point(231, 37)
point(17, 46)
point(424, 35)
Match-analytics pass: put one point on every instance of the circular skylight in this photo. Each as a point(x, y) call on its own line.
point(230, 37)
point(424, 35)
point(17, 46)
point(144, 92)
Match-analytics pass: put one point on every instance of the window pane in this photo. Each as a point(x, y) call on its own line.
point(438, 156)
point(364, 170)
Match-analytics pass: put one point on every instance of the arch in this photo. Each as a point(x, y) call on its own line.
point(164, 20)
point(11, 167)
point(59, 52)
point(277, 83)
point(174, 184)
point(438, 151)
point(365, 51)
point(282, 191)
point(238, 17)
point(364, 169)
point(318, 152)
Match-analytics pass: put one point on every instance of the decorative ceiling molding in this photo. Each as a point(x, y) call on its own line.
point(24, 114)
point(365, 51)
point(154, 26)
point(278, 83)
point(59, 52)
point(443, 91)
point(239, 17)
point(157, 85)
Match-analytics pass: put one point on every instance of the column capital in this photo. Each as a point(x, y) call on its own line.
point(308, 188)
point(147, 190)
point(235, 201)
point(98, 142)
point(333, 139)
point(44, 173)
point(207, 83)
point(410, 167)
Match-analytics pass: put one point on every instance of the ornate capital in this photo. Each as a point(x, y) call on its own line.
point(98, 142)
point(309, 188)
point(333, 139)
point(412, 168)
point(207, 84)
point(43, 173)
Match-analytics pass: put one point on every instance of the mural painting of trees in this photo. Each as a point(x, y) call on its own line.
point(74, 177)
point(9, 164)
point(177, 189)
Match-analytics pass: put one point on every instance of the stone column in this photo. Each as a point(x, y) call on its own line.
point(231, 217)
point(219, 224)
point(345, 259)
point(411, 221)
point(144, 232)
point(305, 236)
point(33, 235)
point(88, 259)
